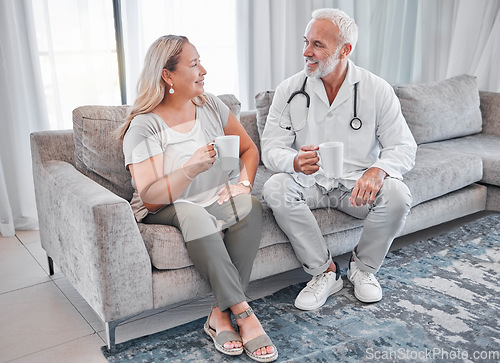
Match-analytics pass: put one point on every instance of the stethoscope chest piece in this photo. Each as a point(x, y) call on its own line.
point(356, 123)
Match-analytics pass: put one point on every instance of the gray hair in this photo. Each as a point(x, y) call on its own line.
point(348, 30)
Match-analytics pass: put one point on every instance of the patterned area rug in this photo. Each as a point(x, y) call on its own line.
point(441, 303)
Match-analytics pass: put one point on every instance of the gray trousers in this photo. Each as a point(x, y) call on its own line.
point(224, 261)
point(291, 204)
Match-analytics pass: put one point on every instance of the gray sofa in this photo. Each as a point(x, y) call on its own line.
point(122, 268)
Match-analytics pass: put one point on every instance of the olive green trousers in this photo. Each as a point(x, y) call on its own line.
point(222, 242)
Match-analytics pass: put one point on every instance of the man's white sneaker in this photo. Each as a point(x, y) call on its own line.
point(366, 287)
point(321, 286)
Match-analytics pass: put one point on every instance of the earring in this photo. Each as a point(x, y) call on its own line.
point(171, 90)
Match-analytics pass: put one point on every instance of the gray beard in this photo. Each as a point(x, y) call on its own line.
point(326, 67)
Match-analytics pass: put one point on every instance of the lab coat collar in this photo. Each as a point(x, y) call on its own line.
point(353, 73)
point(353, 76)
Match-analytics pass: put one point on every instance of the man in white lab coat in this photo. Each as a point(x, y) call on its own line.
point(338, 101)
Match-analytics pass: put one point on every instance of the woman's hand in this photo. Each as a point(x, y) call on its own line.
point(232, 191)
point(201, 161)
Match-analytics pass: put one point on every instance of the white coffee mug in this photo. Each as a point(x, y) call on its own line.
point(331, 156)
point(228, 151)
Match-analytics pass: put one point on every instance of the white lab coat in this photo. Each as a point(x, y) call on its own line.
point(384, 140)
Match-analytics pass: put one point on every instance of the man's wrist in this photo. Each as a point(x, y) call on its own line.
point(381, 172)
point(296, 167)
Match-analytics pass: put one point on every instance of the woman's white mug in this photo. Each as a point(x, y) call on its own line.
point(331, 156)
point(227, 148)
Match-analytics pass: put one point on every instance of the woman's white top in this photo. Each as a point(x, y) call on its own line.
point(148, 135)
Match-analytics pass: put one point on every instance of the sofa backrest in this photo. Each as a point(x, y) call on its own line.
point(99, 153)
point(434, 111)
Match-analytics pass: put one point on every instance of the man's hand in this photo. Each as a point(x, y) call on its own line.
point(306, 160)
point(367, 187)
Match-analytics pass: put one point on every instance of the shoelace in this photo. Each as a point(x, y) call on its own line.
point(317, 281)
point(360, 275)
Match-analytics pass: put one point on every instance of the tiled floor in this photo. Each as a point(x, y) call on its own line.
point(44, 319)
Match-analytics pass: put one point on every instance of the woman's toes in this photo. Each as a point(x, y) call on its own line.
point(265, 350)
point(233, 345)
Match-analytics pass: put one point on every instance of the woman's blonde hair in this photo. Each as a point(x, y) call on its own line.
point(163, 53)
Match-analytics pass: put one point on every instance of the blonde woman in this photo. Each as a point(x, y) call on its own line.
point(167, 143)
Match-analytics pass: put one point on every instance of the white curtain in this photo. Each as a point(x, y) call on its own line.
point(403, 41)
point(475, 42)
point(23, 111)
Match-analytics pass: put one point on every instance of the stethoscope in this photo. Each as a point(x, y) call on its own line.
point(355, 121)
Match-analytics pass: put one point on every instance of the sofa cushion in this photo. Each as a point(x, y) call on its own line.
point(98, 151)
point(441, 110)
point(167, 249)
point(438, 172)
point(263, 102)
point(232, 102)
point(487, 147)
point(165, 246)
point(247, 119)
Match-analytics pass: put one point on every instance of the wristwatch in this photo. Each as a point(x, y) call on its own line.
point(246, 183)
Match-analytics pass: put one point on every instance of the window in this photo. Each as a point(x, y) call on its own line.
point(76, 43)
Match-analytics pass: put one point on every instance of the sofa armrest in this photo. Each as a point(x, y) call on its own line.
point(490, 111)
point(92, 235)
point(53, 145)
